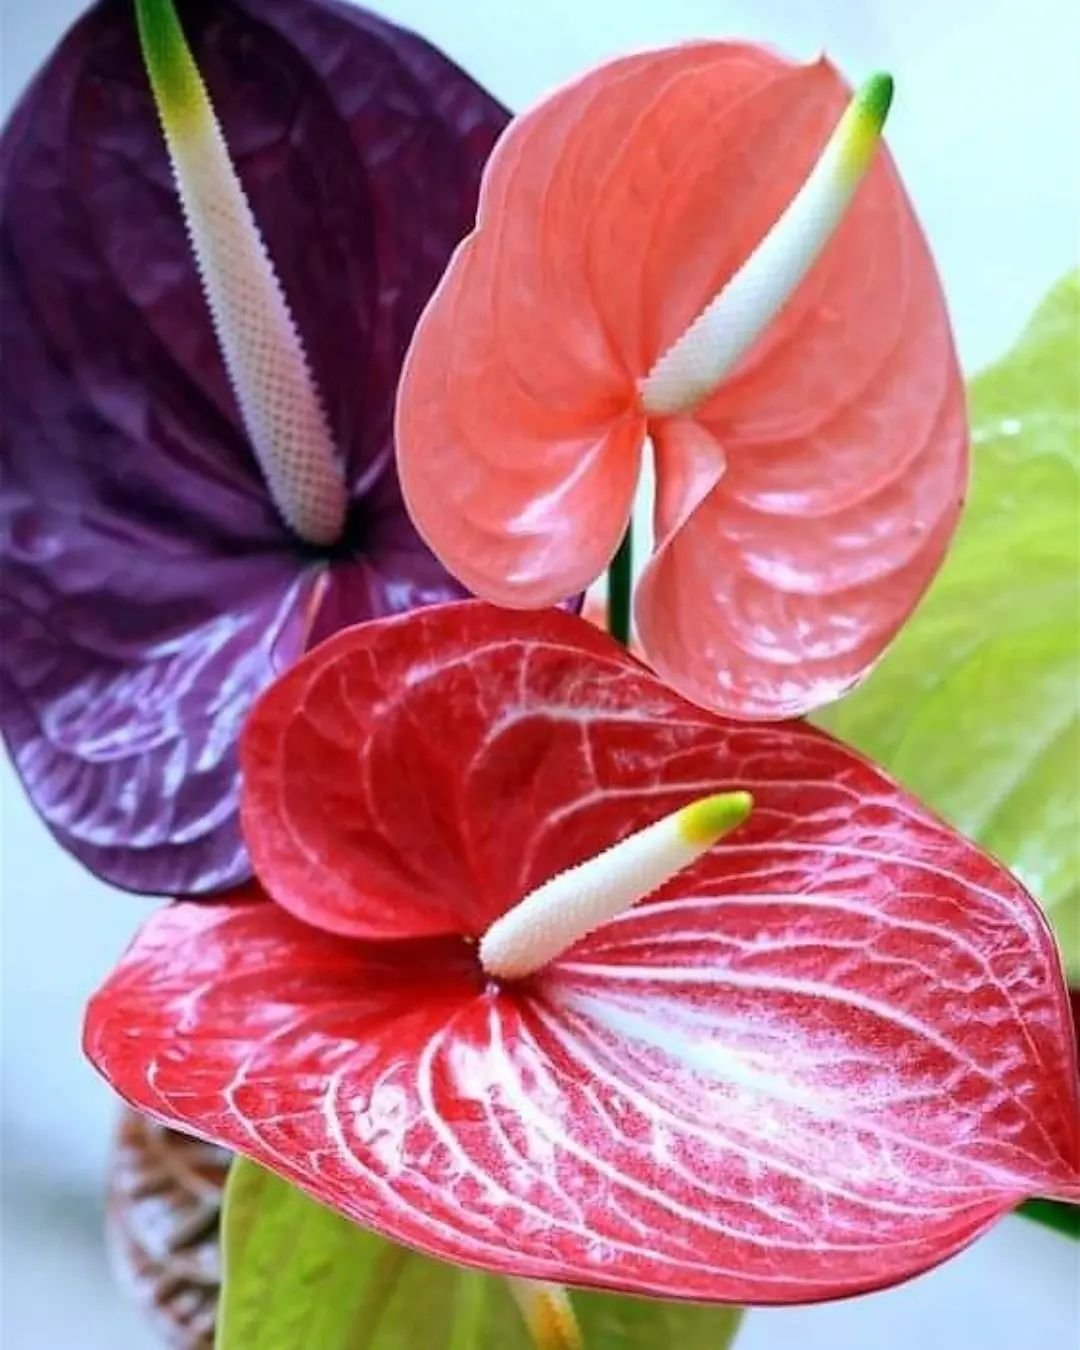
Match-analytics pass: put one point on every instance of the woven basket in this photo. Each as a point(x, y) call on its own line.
point(164, 1214)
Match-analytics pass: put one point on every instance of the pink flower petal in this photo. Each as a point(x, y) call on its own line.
point(518, 429)
point(844, 448)
point(813, 494)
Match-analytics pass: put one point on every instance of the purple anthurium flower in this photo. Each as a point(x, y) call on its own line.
point(151, 584)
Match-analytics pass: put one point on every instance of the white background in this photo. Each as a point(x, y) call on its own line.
point(984, 128)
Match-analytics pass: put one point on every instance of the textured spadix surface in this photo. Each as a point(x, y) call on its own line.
point(804, 506)
point(149, 587)
point(822, 1059)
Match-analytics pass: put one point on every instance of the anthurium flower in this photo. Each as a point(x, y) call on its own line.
point(700, 247)
point(181, 509)
point(816, 1058)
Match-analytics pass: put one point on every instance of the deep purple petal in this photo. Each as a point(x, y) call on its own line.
point(123, 721)
point(149, 588)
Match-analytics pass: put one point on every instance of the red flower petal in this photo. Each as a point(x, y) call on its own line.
point(394, 778)
point(804, 508)
point(746, 1094)
point(821, 1060)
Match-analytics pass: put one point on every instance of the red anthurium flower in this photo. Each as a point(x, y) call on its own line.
point(678, 247)
point(818, 1059)
point(154, 579)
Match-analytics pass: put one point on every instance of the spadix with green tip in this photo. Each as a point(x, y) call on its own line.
point(259, 340)
point(550, 919)
point(694, 365)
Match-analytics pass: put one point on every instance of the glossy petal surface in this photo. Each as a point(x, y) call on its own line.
point(820, 1060)
point(804, 507)
point(977, 707)
point(149, 588)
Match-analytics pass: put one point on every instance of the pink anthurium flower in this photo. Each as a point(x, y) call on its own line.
point(814, 1060)
point(699, 247)
point(198, 479)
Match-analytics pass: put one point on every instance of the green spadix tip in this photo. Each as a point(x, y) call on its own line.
point(712, 817)
point(875, 98)
point(169, 63)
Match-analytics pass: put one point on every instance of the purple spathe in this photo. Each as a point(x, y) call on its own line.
point(149, 588)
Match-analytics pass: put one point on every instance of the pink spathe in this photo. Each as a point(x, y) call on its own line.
point(805, 505)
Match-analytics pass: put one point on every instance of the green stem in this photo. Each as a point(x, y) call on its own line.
point(1055, 1214)
point(620, 576)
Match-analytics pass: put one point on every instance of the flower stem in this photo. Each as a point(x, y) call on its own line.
point(620, 575)
point(548, 1313)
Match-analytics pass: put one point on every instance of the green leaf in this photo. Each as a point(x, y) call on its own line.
point(976, 706)
point(299, 1277)
point(611, 1322)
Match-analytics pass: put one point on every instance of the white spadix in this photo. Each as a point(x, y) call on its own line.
point(564, 909)
point(691, 368)
point(263, 352)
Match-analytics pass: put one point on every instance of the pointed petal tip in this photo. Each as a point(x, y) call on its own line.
point(709, 819)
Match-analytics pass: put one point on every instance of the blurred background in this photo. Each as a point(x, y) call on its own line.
point(984, 130)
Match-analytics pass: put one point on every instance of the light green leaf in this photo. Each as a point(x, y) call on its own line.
point(976, 706)
point(610, 1322)
point(299, 1277)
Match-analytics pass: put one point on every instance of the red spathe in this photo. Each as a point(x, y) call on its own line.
point(818, 1062)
